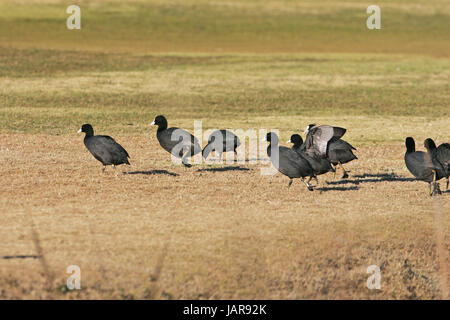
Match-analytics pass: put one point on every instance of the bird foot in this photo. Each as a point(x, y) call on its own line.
point(436, 190)
point(188, 165)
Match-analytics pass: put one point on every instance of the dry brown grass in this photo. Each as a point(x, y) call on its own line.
point(231, 234)
point(167, 232)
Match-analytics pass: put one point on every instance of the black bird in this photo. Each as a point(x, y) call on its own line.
point(338, 151)
point(288, 162)
point(178, 142)
point(440, 156)
point(421, 165)
point(104, 148)
point(319, 164)
point(221, 141)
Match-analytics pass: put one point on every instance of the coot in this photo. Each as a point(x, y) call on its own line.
point(319, 164)
point(221, 141)
point(338, 151)
point(178, 142)
point(440, 156)
point(104, 148)
point(288, 162)
point(421, 166)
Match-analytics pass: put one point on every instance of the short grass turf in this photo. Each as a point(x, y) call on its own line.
point(157, 230)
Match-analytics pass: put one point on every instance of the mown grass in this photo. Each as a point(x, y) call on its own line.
point(231, 233)
point(232, 26)
point(54, 92)
point(116, 71)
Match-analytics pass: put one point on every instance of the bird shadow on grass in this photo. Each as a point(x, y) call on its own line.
point(368, 178)
point(153, 172)
point(324, 189)
point(222, 169)
point(21, 257)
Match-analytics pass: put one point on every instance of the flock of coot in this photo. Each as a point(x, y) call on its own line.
point(322, 149)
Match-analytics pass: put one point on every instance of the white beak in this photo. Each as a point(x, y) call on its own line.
point(79, 131)
point(289, 141)
point(153, 123)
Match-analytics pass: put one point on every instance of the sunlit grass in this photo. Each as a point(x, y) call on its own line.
point(417, 27)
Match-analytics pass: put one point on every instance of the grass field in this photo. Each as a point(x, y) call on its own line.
point(157, 230)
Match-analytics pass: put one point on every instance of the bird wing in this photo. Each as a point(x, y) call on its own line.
point(113, 145)
point(292, 163)
point(318, 138)
point(174, 136)
point(443, 154)
point(419, 164)
point(336, 143)
point(230, 140)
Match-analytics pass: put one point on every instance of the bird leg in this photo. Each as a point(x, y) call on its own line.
point(114, 168)
point(103, 169)
point(315, 178)
point(308, 186)
point(432, 183)
point(345, 175)
point(435, 190)
point(184, 159)
point(290, 182)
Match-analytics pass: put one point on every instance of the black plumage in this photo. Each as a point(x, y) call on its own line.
point(178, 142)
point(340, 152)
point(440, 157)
point(287, 161)
point(221, 141)
point(328, 138)
point(319, 164)
point(104, 148)
point(421, 165)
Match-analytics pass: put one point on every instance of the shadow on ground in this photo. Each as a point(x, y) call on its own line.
point(152, 172)
point(21, 257)
point(324, 189)
point(369, 178)
point(222, 169)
